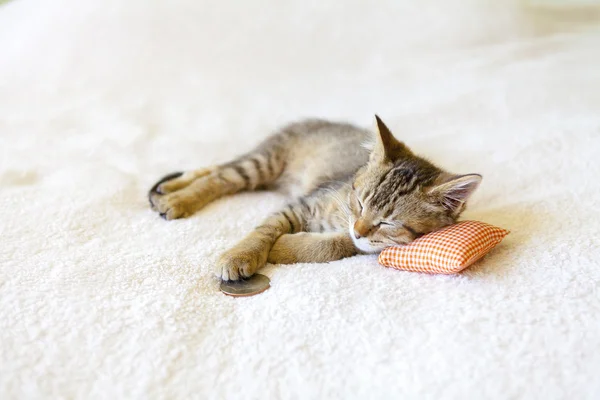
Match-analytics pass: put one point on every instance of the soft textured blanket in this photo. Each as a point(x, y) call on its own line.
point(102, 299)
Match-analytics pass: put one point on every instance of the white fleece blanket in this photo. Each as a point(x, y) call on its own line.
point(102, 299)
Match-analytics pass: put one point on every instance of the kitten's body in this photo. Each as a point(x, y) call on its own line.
point(346, 198)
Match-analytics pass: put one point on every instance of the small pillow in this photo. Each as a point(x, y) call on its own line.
point(447, 251)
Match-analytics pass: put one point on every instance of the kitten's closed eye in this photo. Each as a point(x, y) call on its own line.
point(385, 223)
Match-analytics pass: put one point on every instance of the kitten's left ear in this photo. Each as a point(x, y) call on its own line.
point(453, 191)
point(387, 147)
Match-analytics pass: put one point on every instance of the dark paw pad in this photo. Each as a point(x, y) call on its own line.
point(164, 179)
point(155, 190)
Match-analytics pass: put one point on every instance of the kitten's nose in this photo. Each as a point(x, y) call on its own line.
point(361, 229)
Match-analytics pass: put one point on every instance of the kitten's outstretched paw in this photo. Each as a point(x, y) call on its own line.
point(156, 192)
point(170, 199)
point(179, 180)
point(157, 186)
point(171, 206)
point(235, 265)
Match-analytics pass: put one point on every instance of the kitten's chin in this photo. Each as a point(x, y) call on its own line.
point(364, 245)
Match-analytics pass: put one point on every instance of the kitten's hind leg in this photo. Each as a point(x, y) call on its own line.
point(179, 195)
point(179, 180)
point(311, 247)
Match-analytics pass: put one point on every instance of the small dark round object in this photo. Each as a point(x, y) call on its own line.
point(256, 284)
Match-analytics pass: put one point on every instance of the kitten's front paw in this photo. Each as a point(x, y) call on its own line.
point(235, 264)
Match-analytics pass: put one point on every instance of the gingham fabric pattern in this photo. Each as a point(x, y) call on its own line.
point(447, 251)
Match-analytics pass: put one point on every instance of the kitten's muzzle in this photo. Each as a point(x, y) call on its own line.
point(362, 228)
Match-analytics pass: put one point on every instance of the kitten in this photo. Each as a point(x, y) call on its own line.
point(347, 199)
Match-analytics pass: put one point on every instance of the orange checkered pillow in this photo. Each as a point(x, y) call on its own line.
point(446, 251)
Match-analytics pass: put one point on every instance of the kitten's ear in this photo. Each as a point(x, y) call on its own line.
point(387, 147)
point(453, 191)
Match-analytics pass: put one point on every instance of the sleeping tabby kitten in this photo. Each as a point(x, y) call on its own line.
point(346, 199)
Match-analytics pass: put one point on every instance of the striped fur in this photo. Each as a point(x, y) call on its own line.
point(346, 198)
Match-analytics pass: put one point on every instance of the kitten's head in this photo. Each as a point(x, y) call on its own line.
point(398, 196)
